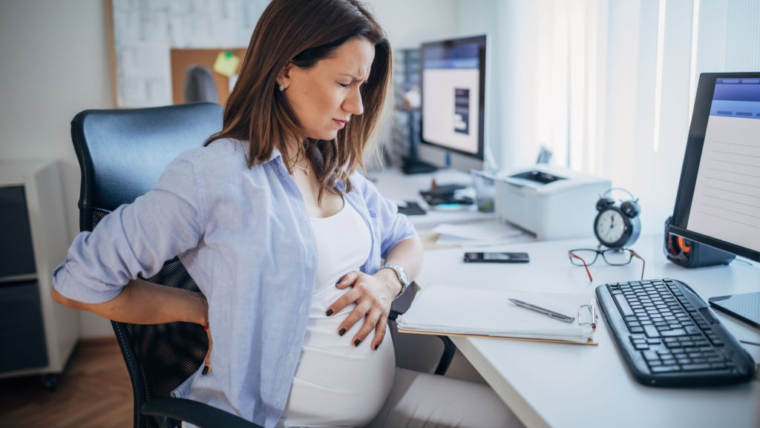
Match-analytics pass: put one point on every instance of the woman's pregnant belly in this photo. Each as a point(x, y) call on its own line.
point(338, 384)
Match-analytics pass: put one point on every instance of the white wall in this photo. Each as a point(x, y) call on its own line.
point(411, 22)
point(55, 64)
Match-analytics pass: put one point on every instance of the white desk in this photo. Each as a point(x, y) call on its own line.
point(396, 186)
point(557, 385)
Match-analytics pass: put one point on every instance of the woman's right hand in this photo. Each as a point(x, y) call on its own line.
point(207, 360)
point(207, 329)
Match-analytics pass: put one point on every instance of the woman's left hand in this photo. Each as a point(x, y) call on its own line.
point(373, 295)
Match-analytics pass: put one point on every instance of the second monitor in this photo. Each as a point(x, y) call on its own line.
point(453, 95)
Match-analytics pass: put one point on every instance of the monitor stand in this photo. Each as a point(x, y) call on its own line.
point(413, 165)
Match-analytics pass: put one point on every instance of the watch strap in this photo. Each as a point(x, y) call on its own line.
point(401, 274)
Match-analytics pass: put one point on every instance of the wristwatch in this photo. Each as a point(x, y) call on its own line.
point(403, 278)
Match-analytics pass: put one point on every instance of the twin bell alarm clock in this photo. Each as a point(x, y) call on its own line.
point(617, 224)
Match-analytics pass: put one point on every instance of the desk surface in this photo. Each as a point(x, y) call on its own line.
point(556, 385)
point(396, 186)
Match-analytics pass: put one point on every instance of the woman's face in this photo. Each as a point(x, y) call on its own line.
point(325, 96)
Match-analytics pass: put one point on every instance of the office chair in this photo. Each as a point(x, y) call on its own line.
point(122, 154)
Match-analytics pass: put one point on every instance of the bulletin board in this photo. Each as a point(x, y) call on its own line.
point(181, 59)
point(144, 32)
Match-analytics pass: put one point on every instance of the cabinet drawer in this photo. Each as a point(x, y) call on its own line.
point(16, 251)
point(22, 334)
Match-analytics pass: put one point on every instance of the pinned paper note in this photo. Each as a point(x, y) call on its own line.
point(226, 63)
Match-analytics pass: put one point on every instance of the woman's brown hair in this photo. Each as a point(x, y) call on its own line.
point(304, 32)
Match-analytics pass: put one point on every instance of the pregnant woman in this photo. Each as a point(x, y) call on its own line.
point(297, 255)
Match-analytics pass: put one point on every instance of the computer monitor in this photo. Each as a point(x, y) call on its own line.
point(453, 79)
point(718, 200)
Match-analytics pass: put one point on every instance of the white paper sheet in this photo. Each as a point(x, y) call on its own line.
point(475, 234)
point(463, 310)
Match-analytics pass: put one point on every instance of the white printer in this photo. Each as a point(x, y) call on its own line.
point(550, 202)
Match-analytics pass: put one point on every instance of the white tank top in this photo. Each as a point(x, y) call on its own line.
point(336, 383)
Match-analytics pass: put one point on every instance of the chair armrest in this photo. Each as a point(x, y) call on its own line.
point(403, 302)
point(194, 412)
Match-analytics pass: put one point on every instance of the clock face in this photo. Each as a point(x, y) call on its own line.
point(610, 226)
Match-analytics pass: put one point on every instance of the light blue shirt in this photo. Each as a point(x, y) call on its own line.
point(245, 237)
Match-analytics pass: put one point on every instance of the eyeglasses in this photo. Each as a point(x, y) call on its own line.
point(612, 256)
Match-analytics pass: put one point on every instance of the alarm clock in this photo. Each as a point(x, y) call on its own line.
point(617, 224)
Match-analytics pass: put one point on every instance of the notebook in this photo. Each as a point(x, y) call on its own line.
point(442, 309)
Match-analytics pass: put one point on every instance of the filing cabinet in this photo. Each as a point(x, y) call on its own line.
point(37, 335)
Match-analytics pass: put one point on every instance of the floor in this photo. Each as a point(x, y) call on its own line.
point(93, 392)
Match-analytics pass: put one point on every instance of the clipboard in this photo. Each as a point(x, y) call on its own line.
point(472, 312)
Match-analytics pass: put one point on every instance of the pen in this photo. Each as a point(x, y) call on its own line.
point(551, 314)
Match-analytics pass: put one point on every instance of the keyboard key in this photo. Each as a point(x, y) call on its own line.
point(665, 369)
point(672, 333)
point(650, 355)
point(689, 367)
point(651, 331)
point(623, 305)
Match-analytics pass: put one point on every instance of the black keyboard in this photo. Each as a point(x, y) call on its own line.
point(669, 336)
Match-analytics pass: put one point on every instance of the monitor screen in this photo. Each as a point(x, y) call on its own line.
point(718, 199)
point(453, 94)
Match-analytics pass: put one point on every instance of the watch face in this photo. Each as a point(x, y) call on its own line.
point(610, 226)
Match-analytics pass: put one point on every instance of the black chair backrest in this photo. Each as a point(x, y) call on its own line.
point(122, 154)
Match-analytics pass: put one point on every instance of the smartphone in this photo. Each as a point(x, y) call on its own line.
point(496, 257)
